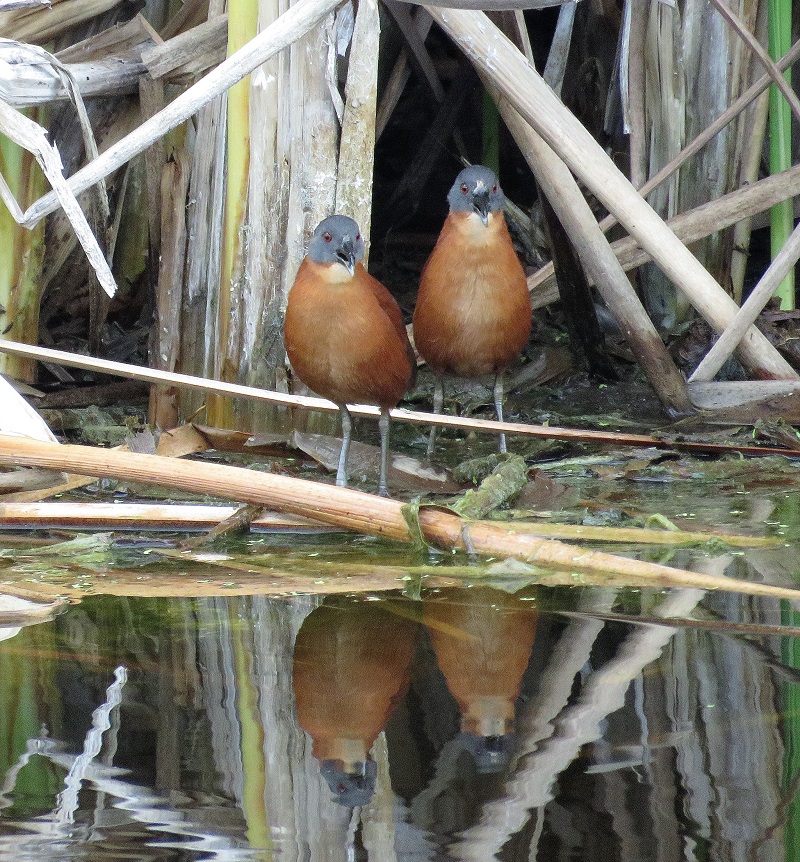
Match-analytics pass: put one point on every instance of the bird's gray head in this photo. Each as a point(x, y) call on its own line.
point(476, 190)
point(337, 239)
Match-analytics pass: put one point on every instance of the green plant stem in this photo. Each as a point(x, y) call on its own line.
point(780, 140)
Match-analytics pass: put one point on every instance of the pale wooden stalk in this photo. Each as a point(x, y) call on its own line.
point(363, 513)
point(760, 295)
point(697, 83)
point(206, 191)
point(43, 24)
point(357, 144)
point(228, 313)
point(598, 260)
point(163, 411)
point(751, 165)
point(139, 516)
point(151, 101)
point(37, 85)
point(690, 226)
point(635, 104)
point(303, 402)
point(729, 394)
point(556, 65)
point(182, 52)
point(312, 154)
point(195, 516)
point(312, 149)
point(298, 20)
point(496, 56)
point(11, 5)
point(262, 296)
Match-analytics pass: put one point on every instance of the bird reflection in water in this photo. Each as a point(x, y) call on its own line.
point(483, 640)
point(351, 669)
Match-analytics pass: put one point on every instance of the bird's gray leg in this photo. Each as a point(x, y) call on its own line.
point(347, 430)
point(383, 427)
point(438, 402)
point(498, 406)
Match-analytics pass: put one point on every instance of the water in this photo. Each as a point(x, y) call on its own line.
point(459, 723)
point(469, 725)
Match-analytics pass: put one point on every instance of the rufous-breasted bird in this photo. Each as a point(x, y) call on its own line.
point(473, 311)
point(344, 333)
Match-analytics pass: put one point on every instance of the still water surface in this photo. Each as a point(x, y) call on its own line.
point(470, 725)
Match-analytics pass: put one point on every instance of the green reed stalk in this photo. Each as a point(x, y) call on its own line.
point(780, 139)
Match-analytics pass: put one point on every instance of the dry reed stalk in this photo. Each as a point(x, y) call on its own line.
point(13, 5)
point(725, 395)
point(181, 441)
point(270, 170)
point(613, 438)
point(313, 145)
point(752, 150)
point(633, 79)
point(165, 345)
point(694, 224)
point(190, 52)
point(43, 24)
point(697, 82)
point(364, 513)
point(357, 144)
point(204, 241)
point(400, 74)
point(139, 516)
point(192, 516)
point(761, 294)
point(598, 260)
point(37, 85)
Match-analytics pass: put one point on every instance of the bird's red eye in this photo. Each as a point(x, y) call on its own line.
point(358, 238)
point(464, 188)
point(327, 237)
point(494, 188)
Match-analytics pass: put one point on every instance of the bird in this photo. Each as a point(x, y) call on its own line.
point(344, 333)
point(473, 311)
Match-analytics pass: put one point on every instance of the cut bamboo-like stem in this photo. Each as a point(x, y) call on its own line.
point(760, 295)
point(360, 512)
point(305, 402)
point(357, 146)
point(196, 516)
